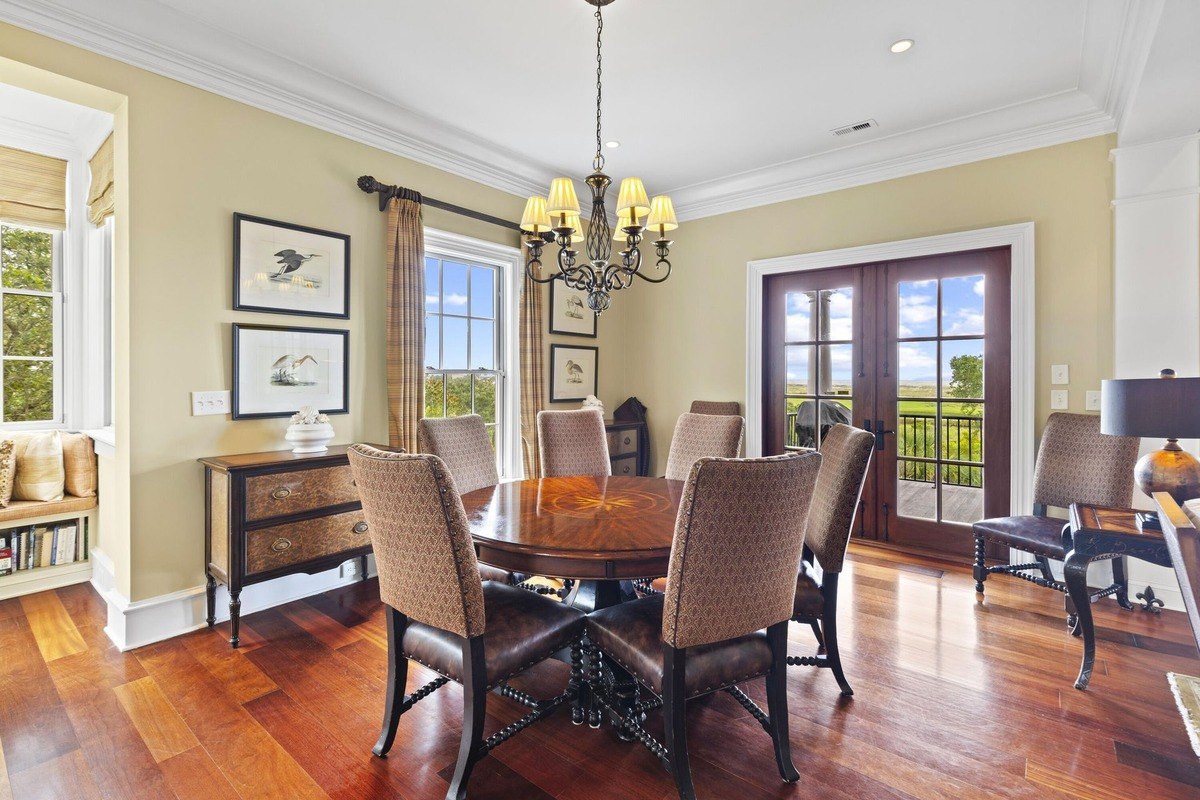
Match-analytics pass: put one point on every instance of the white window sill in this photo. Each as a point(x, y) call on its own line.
point(105, 439)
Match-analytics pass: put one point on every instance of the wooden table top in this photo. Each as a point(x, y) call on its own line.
point(586, 527)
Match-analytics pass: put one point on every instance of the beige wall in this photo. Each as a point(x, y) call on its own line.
point(690, 333)
point(194, 159)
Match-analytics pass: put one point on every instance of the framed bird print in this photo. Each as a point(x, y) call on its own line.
point(569, 313)
point(278, 370)
point(290, 269)
point(574, 371)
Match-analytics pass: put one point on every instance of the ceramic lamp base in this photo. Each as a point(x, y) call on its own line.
point(1172, 470)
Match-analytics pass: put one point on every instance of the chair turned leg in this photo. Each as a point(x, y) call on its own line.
point(980, 563)
point(833, 655)
point(1122, 583)
point(474, 708)
point(674, 702)
point(397, 678)
point(576, 687)
point(816, 629)
point(777, 709)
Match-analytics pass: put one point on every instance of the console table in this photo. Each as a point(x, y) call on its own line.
point(624, 448)
point(267, 515)
point(1098, 532)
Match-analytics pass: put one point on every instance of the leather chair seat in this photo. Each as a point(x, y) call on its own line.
point(631, 634)
point(1041, 536)
point(809, 601)
point(489, 573)
point(520, 629)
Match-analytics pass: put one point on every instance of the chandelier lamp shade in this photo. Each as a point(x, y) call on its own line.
point(557, 219)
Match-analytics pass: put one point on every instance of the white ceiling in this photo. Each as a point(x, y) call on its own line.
point(724, 104)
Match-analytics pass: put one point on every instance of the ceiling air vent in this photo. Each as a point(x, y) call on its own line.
point(855, 128)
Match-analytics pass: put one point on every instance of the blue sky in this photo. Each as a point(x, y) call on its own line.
point(462, 299)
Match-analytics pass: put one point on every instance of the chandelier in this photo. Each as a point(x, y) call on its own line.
point(556, 219)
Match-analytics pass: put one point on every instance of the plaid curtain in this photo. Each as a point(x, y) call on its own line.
point(405, 321)
point(533, 376)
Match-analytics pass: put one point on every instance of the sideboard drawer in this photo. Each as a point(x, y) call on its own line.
point(297, 542)
point(625, 466)
point(622, 442)
point(281, 493)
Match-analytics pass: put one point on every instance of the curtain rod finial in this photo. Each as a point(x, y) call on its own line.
point(368, 184)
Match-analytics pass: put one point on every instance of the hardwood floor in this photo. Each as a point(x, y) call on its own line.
point(954, 699)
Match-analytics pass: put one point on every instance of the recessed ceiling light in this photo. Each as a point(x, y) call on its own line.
point(902, 45)
point(614, 144)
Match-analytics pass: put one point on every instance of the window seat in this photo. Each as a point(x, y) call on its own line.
point(18, 510)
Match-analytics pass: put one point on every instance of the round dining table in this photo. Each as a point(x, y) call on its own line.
point(596, 530)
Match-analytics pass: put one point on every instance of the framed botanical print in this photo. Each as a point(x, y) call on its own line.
point(277, 370)
point(569, 312)
point(290, 269)
point(573, 372)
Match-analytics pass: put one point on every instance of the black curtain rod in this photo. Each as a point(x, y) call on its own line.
point(369, 185)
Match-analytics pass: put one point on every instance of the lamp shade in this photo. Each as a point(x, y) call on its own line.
point(535, 219)
point(1160, 408)
point(563, 199)
point(633, 197)
point(623, 221)
point(662, 214)
point(576, 226)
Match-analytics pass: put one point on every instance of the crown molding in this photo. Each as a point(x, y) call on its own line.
point(326, 104)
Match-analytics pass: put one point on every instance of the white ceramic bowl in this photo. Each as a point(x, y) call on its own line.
point(313, 438)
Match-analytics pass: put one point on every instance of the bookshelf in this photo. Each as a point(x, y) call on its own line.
point(63, 566)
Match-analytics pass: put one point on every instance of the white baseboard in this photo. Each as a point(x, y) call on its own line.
point(133, 624)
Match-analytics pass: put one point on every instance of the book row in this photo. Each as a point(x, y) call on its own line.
point(33, 546)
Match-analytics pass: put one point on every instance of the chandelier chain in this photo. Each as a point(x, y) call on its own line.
point(598, 161)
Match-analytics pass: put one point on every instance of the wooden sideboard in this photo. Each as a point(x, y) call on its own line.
point(623, 446)
point(267, 515)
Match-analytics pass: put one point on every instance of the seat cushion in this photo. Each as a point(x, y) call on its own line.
point(631, 634)
point(489, 573)
point(520, 629)
point(809, 601)
point(1041, 536)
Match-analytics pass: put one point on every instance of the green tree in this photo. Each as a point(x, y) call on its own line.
point(966, 380)
point(27, 262)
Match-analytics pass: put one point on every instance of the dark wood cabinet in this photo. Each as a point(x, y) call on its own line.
point(273, 514)
point(624, 447)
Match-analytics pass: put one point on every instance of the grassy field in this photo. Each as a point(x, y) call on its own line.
point(914, 406)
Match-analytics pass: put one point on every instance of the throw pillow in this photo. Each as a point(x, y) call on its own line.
point(79, 464)
point(8, 467)
point(39, 467)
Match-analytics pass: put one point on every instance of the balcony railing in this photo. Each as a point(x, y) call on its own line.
point(917, 441)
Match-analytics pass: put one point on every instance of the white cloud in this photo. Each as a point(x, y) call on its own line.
point(916, 361)
point(966, 322)
point(978, 287)
point(453, 299)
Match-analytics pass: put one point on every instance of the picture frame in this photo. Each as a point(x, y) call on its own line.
point(282, 268)
point(574, 372)
point(569, 314)
point(278, 369)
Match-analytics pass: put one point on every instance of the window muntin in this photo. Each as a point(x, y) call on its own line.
point(31, 350)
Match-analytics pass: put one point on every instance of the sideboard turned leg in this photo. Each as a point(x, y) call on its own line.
point(210, 592)
point(235, 616)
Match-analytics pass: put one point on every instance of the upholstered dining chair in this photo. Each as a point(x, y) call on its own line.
point(462, 444)
point(845, 457)
point(573, 443)
point(699, 436)
point(737, 548)
point(1076, 463)
point(718, 408)
point(438, 611)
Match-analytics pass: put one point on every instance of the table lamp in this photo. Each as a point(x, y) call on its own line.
point(1164, 407)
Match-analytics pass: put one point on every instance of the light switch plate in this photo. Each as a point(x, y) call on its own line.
point(1058, 400)
point(1060, 374)
point(204, 403)
point(1092, 400)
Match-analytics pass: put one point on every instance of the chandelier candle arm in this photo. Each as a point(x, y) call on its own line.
point(557, 219)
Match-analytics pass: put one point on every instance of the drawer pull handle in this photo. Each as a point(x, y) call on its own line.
point(281, 544)
point(360, 527)
point(627, 440)
point(281, 493)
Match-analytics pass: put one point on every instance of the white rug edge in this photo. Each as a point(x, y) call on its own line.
point(1192, 731)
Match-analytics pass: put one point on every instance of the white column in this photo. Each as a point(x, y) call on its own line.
point(1156, 284)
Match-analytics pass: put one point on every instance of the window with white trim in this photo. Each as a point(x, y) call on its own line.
point(30, 311)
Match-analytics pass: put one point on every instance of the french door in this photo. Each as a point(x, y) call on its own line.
point(917, 352)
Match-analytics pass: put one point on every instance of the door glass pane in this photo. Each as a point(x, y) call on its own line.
point(916, 370)
point(454, 343)
point(432, 286)
point(485, 397)
point(435, 396)
point(791, 433)
point(28, 325)
point(433, 342)
point(837, 314)
point(962, 369)
point(962, 441)
point(805, 425)
point(800, 369)
point(483, 292)
point(835, 367)
point(962, 306)
point(458, 395)
point(916, 440)
point(483, 344)
point(916, 311)
point(799, 323)
point(28, 259)
point(454, 288)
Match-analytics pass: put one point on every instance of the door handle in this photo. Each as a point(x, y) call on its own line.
point(879, 434)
